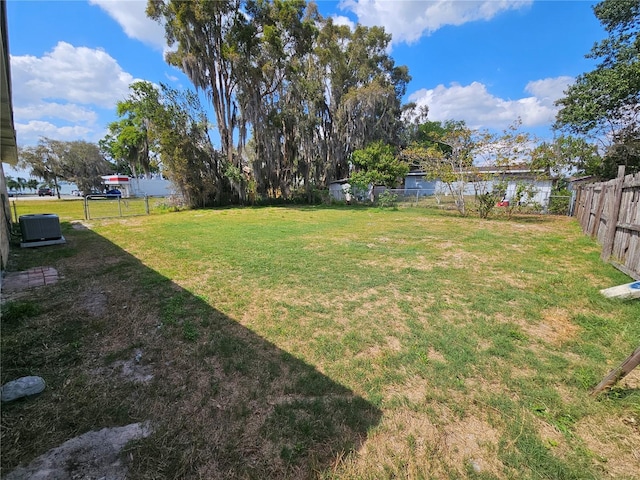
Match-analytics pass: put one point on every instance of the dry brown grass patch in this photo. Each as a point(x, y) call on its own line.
point(550, 434)
point(427, 448)
point(435, 355)
point(456, 258)
point(615, 444)
point(632, 380)
point(392, 344)
point(556, 328)
point(414, 390)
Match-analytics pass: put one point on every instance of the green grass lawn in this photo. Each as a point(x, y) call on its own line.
point(334, 343)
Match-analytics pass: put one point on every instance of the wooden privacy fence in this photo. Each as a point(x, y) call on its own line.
point(610, 211)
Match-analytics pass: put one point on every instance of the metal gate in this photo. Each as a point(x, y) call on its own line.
point(113, 206)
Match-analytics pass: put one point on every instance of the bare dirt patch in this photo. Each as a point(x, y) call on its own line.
point(132, 369)
point(95, 303)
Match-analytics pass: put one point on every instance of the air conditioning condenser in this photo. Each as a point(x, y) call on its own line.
point(40, 229)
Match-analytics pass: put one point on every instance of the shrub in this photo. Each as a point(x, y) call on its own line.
point(559, 202)
point(387, 199)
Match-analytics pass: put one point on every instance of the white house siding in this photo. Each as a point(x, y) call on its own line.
point(541, 197)
point(419, 185)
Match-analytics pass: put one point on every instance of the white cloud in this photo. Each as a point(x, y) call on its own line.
point(172, 78)
point(59, 95)
point(74, 74)
point(132, 17)
point(341, 20)
point(409, 20)
point(480, 109)
point(69, 112)
point(549, 90)
point(29, 133)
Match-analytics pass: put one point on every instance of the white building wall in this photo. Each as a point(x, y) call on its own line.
point(542, 189)
point(152, 187)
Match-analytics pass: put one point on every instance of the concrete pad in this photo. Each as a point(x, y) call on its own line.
point(626, 291)
point(43, 243)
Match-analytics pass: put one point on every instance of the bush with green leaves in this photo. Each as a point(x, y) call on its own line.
point(559, 202)
point(387, 199)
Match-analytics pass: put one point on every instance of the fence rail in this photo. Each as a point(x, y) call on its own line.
point(110, 206)
point(610, 212)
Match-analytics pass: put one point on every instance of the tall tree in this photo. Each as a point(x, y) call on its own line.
point(45, 160)
point(209, 38)
point(271, 90)
point(307, 91)
point(84, 165)
point(181, 132)
point(22, 182)
point(12, 184)
point(177, 127)
point(605, 102)
point(128, 142)
point(32, 184)
point(363, 89)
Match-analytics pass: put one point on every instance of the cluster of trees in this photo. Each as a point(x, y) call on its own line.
point(75, 161)
point(300, 101)
point(19, 184)
point(604, 104)
point(294, 94)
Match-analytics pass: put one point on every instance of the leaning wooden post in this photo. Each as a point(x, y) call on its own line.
point(618, 373)
point(612, 221)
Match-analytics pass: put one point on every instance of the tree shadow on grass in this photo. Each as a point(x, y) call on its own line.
point(222, 401)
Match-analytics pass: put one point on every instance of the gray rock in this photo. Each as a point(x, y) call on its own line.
point(93, 455)
point(22, 387)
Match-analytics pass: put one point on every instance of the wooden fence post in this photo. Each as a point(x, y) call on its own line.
point(618, 373)
point(599, 208)
point(586, 212)
point(612, 221)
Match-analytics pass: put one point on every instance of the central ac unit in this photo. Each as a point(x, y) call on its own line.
point(43, 228)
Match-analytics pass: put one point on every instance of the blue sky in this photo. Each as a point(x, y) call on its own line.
point(485, 62)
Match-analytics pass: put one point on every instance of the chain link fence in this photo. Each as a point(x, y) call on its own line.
point(555, 204)
point(113, 206)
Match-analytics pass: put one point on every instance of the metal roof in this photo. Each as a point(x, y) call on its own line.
point(8, 145)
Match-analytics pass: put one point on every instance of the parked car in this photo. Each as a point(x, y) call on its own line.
point(44, 191)
point(114, 192)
